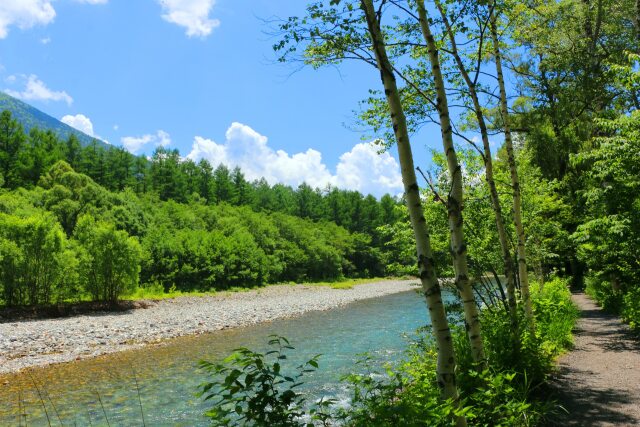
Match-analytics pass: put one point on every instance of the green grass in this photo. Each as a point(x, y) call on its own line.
point(157, 293)
point(350, 283)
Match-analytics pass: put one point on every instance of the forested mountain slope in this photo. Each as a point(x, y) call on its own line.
point(30, 118)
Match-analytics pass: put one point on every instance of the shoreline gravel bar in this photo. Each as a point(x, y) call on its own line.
point(30, 343)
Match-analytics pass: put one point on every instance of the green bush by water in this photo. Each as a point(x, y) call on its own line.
point(248, 389)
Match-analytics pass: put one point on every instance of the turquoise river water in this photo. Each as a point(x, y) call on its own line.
point(82, 392)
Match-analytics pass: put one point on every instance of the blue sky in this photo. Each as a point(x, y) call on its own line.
point(197, 75)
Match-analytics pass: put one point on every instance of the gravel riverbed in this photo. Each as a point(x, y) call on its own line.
point(31, 343)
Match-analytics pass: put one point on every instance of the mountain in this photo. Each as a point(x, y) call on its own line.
point(31, 117)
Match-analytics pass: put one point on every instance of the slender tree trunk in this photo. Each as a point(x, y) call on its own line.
point(488, 163)
point(455, 199)
point(445, 369)
point(515, 182)
point(637, 19)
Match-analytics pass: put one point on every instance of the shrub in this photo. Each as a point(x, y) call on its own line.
point(601, 290)
point(555, 315)
point(409, 395)
point(33, 260)
point(631, 308)
point(251, 388)
point(406, 396)
point(531, 356)
point(110, 260)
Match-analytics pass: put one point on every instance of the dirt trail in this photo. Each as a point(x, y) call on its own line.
point(599, 381)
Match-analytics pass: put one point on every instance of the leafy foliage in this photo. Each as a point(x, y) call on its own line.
point(110, 259)
point(608, 240)
point(34, 259)
point(253, 389)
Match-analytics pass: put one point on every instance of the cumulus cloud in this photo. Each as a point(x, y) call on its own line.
point(134, 143)
point(163, 138)
point(190, 14)
point(83, 124)
point(365, 170)
point(36, 90)
point(80, 122)
point(361, 169)
point(24, 14)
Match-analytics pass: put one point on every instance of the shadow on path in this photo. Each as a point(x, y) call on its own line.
point(598, 383)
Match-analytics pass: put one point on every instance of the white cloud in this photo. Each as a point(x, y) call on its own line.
point(45, 40)
point(24, 14)
point(83, 124)
point(365, 170)
point(163, 138)
point(36, 90)
point(191, 14)
point(133, 144)
point(116, 127)
point(361, 169)
point(80, 122)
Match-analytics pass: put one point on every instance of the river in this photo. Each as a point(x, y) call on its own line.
point(82, 392)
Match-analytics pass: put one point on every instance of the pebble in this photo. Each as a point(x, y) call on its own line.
point(47, 341)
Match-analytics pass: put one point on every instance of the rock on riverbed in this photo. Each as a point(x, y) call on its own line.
point(42, 342)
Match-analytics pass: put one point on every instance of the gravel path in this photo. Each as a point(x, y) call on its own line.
point(42, 342)
point(599, 381)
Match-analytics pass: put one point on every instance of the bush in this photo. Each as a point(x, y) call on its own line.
point(631, 308)
point(110, 260)
point(555, 315)
point(601, 290)
point(34, 263)
point(407, 395)
point(624, 300)
point(530, 356)
point(252, 389)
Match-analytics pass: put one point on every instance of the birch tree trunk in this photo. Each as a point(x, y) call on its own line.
point(515, 182)
point(455, 199)
point(637, 19)
point(445, 368)
point(488, 163)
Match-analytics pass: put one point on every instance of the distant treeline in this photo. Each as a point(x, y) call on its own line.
point(95, 222)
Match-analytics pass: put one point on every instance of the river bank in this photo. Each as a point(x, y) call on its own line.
point(32, 343)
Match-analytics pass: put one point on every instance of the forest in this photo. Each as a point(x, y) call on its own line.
point(111, 222)
point(554, 206)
